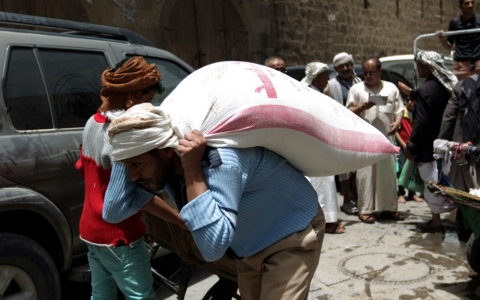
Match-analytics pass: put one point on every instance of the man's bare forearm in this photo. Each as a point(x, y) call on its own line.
point(357, 109)
point(400, 141)
point(195, 182)
point(360, 108)
point(446, 44)
point(443, 40)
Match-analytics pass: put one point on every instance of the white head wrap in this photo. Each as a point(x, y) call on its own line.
point(435, 62)
point(141, 128)
point(342, 58)
point(312, 70)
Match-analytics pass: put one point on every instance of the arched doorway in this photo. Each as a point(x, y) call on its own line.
point(203, 32)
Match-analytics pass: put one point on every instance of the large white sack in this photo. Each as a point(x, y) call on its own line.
point(240, 104)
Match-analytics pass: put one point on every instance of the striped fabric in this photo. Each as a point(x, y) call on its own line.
point(95, 165)
point(255, 199)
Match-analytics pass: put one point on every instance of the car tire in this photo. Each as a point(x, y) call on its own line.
point(26, 270)
point(473, 253)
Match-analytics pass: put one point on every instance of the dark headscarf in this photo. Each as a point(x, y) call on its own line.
point(436, 64)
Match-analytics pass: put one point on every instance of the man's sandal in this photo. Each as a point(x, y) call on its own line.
point(350, 208)
point(366, 218)
point(334, 228)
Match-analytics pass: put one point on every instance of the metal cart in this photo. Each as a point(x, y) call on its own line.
point(181, 243)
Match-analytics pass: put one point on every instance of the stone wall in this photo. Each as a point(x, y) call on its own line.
point(301, 31)
point(317, 30)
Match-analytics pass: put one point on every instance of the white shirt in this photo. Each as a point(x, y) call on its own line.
point(380, 116)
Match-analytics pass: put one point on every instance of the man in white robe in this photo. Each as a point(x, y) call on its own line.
point(337, 88)
point(377, 184)
point(316, 77)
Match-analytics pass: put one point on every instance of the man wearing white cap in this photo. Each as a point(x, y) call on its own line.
point(339, 86)
point(338, 89)
point(248, 204)
point(316, 77)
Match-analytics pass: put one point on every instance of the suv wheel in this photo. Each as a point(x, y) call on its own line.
point(26, 270)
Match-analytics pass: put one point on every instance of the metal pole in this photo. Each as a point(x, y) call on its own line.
point(447, 33)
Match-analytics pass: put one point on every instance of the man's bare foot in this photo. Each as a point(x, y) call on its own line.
point(334, 228)
point(401, 199)
point(417, 198)
point(431, 227)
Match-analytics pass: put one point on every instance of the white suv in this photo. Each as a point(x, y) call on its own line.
point(404, 64)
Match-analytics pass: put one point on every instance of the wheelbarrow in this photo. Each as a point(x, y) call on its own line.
point(470, 207)
point(469, 204)
point(180, 242)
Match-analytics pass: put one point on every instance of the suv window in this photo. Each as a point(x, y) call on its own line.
point(172, 74)
point(73, 81)
point(25, 95)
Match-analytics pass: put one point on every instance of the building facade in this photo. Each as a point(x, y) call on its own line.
point(300, 31)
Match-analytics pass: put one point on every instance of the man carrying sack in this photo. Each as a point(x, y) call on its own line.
point(249, 203)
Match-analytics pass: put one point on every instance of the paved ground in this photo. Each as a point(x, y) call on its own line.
point(385, 260)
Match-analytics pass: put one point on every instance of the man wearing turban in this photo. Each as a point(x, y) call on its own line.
point(117, 255)
point(338, 89)
point(431, 100)
point(316, 77)
point(248, 204)
point(339, 86)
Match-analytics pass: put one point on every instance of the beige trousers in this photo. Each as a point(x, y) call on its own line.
point(284, 270)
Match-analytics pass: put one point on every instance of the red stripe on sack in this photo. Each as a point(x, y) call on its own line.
point(280, 116)
point(267, 84)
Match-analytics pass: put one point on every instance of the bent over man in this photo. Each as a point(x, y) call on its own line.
point(338, 88)
point(249, 204)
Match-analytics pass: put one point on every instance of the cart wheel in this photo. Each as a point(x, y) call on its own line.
point(224, 289)
point(473, 253)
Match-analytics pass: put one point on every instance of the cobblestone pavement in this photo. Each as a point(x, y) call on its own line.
point(385, 260)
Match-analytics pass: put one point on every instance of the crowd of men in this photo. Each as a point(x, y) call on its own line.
point(230, 196)
point(414, 126)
